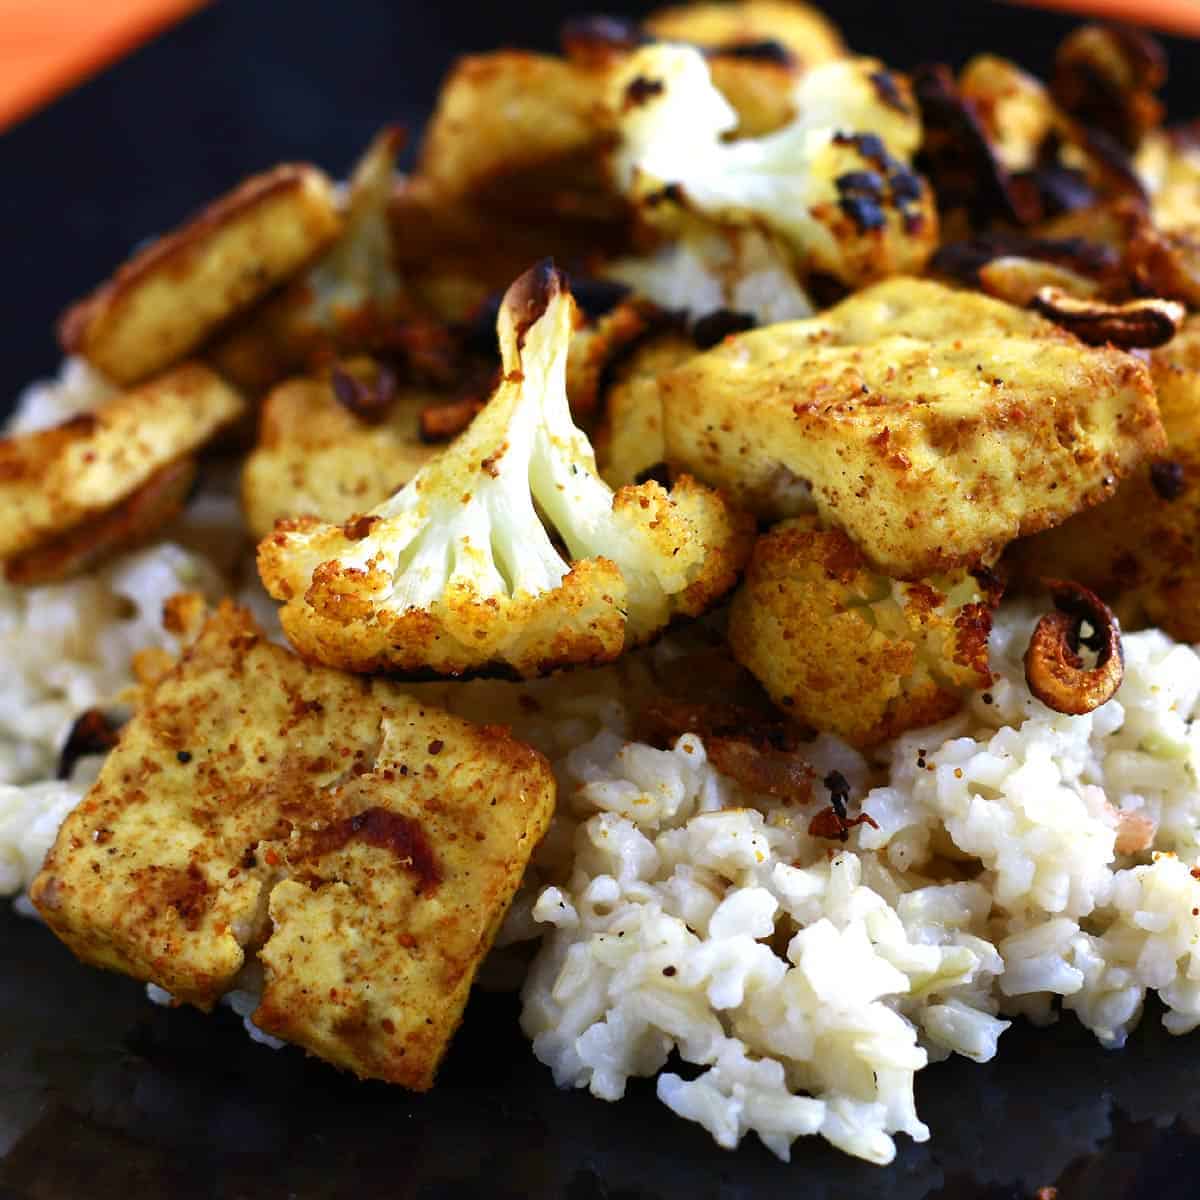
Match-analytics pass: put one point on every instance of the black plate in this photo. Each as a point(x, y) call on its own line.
point(104, 1095)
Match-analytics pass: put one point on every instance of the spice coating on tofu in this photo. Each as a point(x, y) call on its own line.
point(54, 479)
point(170, 296)
point(932, 425)
point(1141, 550)
point(364, 844)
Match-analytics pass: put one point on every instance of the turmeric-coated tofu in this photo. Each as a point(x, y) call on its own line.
point(363, 844)
point(167, 299)
point(54, 480)
point(933, 426)
point(1141, 550)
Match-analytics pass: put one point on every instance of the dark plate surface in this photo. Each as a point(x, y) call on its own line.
point(104, 1095)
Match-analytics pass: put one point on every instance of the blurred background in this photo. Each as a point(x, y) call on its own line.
point(237, 86)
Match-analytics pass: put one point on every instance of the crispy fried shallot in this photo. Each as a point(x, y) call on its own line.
point(1054, 670)
point(1137, 324)
point(1106, 76)
point(965, 261)
point(369, 401)
point(959, 157)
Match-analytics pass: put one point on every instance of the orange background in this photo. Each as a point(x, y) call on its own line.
point(48, 45)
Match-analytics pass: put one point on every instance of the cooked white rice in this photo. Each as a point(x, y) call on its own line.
point(799, 983)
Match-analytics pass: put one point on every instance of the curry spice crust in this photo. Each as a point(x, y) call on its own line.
point(168, 298)
point(934, 426)
point(259, 804)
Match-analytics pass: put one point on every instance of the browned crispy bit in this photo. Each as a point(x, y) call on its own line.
point(1164, 264)
point(129, 523)
point(94, 731)
point(368, 399)
point(662, 721)
point(958, 156)
point(1106, 76)
point(762, 769)
point(968, 261)
point(1054, 670)
point(1137, 324)
point(759, 751)
point(443, 422)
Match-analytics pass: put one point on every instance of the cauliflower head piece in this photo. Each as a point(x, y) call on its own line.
point(508, 551)
point(833, 184)
point(850, 651)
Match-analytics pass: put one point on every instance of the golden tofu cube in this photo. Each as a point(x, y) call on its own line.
point(365, 845)
point(169, 297)
point(1141, 550)
point(933, 426)
point(55, 479)
point(316, 458)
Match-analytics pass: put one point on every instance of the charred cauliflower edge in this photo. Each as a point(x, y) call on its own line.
point(507, 552)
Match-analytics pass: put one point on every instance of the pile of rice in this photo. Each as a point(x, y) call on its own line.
point(803, 982)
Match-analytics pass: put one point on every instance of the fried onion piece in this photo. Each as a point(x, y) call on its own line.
point(1106, 76)
point(1014, 266)
point(851, 652)
point(54, 480)
point(957, 153)
point(1140, 552)
point(172, 295)
point(1141, 324)
point(1054, 670)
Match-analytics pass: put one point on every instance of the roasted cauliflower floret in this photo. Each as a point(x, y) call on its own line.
point(170, 296)
point(316, 457)
point(1141, 550)
point(834, 184)
point(932, 425)
point(362, 844)
point(507, 550)
point(852, 652)
point(705, 269)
